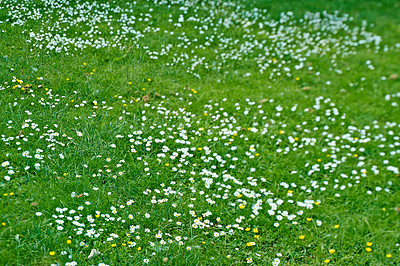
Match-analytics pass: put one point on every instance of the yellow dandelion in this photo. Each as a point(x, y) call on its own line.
point(302, 236)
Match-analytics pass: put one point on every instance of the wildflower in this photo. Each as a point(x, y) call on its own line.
point(302, 236)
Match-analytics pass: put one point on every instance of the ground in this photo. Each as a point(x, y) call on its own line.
point(199, 132)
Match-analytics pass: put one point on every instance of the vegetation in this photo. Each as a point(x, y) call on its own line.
point(199, 132)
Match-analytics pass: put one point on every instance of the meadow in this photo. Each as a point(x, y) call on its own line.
point(173, 132)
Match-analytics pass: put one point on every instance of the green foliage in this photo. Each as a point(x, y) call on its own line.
point(101, 119)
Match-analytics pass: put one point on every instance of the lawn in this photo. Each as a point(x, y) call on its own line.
point(173, 132)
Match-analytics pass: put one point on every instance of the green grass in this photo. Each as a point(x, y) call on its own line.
point(175, 102)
